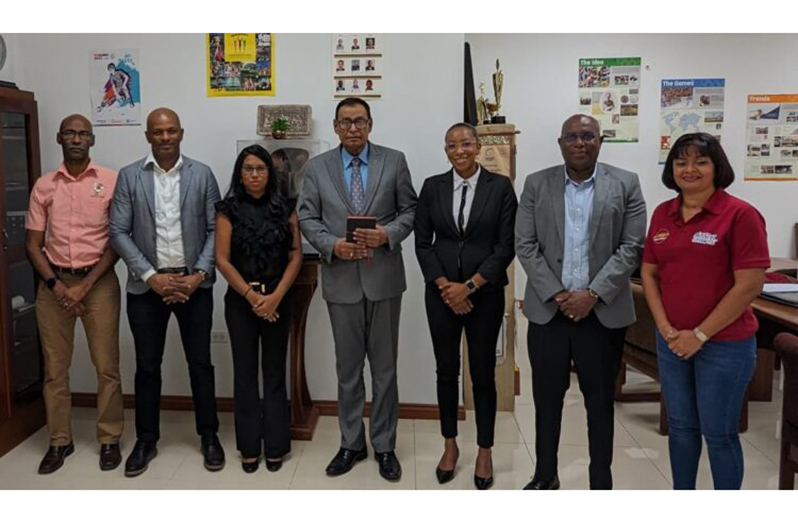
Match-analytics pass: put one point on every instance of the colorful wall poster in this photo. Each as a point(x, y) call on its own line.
point(357, 66)
point(609, 90)
point(240, 64)
point(115, 87)
point(771, 137)
point(690, 106)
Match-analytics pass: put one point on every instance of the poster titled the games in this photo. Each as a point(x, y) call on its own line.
point(240, 64)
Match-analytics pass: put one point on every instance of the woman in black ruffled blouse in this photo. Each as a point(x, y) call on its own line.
point(259, 253)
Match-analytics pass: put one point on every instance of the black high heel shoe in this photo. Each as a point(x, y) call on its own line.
point(484, 483)
point(445, 476)
point(250, 466)
point(273, 466)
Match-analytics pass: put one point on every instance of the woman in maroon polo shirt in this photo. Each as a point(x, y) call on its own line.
point(704, 263)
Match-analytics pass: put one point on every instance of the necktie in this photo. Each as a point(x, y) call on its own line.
point(461, 215)
point(356, 192)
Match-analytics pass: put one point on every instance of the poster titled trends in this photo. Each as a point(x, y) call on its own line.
point(609, 90)
point(772, 137)
point(115, 87)
point(240, 64)
point(690, 106)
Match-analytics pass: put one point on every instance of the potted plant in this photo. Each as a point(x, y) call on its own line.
point(279, 128)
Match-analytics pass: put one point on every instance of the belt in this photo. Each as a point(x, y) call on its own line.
point(83, 271)
point(174, 270)
point(259, 287)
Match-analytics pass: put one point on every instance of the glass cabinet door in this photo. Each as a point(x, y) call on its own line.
point(24, 371)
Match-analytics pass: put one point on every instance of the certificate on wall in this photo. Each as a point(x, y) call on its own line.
point(240, 64)
point(115, 87)
point(771, 137)
point(690, 106)
point(609, 90)
point(357, 66)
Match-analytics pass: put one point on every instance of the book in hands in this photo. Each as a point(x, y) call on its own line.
point(358, 222)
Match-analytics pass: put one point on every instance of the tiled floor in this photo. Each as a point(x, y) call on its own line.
point(640, 459)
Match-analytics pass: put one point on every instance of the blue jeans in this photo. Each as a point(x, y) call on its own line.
point(704, 396)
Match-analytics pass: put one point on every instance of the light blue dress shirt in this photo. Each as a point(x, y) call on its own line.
point(346, 159)
point(578, 208)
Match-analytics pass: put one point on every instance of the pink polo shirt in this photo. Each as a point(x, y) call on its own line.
point(74, 213)
point(696, 260)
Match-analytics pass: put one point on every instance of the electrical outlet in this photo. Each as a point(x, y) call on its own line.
point(219, 337)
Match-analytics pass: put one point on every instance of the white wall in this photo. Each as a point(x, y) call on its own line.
point(540, 91)
point(422, 98)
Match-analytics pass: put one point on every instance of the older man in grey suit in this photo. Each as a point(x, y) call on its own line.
point(162, 226)
point(362, 281)
point(579, 235)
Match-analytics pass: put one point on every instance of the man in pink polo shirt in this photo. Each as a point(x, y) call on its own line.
point(68, 245)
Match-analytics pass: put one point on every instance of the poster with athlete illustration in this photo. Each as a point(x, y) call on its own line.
point(115, 87)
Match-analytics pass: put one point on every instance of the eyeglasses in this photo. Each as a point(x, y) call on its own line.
point(250, 170)
point(360, 123)
point(69, 134)
point(465, 144)
point(585, 137)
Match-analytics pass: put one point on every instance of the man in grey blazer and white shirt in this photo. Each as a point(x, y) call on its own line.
point(579, 235)
point(162, 225)
point(362, 281)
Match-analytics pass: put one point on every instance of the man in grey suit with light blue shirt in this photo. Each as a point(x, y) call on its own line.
point(362, 281)
point(162, 225)
point(579, 235)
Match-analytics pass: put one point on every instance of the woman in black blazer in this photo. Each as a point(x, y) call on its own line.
point(464, 244)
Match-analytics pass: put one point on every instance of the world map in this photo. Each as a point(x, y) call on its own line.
point(684, 122)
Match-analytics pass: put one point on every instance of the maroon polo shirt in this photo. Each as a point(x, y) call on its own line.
point(696, 260)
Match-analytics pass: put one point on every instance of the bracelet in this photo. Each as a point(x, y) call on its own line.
point(245, 294)
point(703, 338)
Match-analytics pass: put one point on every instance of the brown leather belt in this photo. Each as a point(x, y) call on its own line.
point(82, 271)
point(183, 271)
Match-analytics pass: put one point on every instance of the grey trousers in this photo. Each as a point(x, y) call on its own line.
point(367, 328)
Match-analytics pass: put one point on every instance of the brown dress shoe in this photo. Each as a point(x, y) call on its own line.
point(54, 458)
point(110, 456)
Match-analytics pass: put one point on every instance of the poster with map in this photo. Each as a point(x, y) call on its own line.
point(239, 64)
point(690, 106)
point(609, 91)
point(771, 137)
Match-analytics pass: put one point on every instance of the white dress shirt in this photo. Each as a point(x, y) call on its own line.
point(168, 231)
point(459, 183)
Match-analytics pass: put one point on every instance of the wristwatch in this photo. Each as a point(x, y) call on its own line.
point(203, 274)
point(703, 338)
point(471, 285)
point(593, 294)
point(51, 282)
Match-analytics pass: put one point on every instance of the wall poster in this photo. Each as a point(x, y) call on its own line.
point(609, 91)
point(771, 137)
point(240, 64)
point(690, 106)
point(357, 66)
point(115, 87)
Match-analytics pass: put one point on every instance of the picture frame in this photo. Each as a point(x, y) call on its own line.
point(299, 118)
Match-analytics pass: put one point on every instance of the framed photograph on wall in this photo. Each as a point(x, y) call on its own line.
point(357, 65)
point(240, 64)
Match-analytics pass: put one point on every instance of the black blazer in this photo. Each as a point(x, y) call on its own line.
point(488, 244)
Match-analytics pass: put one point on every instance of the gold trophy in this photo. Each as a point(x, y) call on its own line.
point(483, 114)
point(498, 82)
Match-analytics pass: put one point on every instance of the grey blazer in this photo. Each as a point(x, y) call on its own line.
point(324, 206)
point(132, 227)
point(617, 232)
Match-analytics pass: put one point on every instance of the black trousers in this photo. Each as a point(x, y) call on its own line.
point(482, 328)
point(596, 353)
point(252, 338)
point(149, 317)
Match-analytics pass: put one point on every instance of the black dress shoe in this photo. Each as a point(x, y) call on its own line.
point(483, 483)
point(390, 468)
point(139, 459)
point(54, 458)
point(213, 452)
point(445, 476)
point(345, 460)
point(274, 466)
point(250, 467)
point(539, 484)
point(110, 457)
